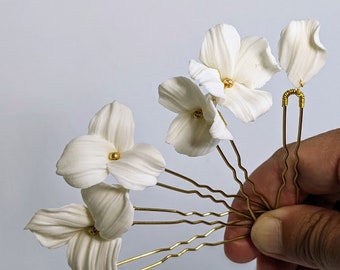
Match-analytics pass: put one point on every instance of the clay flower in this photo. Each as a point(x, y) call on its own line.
point(73, 225)
point(198, 127)
point(109, 148)
point(301, 54)
point(232, 70)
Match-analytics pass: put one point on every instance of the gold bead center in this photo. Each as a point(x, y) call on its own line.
point(92, 231)
point(198, 114)
point(114, 156)
point(228, 83)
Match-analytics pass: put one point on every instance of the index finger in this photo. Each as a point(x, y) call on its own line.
point(319, 174)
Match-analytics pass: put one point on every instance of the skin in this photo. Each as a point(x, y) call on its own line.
point(309, 230)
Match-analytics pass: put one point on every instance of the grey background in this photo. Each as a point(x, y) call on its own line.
point(61, 61)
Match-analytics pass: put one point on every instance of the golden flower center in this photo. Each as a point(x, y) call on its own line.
point(198, 114)
point(114, 156)
point(92, 231)
point(228, 83)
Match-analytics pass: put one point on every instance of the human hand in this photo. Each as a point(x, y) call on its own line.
point(295, 236)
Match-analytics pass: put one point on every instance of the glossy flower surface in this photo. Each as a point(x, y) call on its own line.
point(232, 70)
point(109, 148)
point(301, 53)
point(198, 127)
point(73, 225)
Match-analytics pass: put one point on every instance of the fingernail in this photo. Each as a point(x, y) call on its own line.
point(266, 235)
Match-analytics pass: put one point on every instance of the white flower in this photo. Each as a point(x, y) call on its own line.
point(73, 225)
point(109, 148)
point(198, 127)
point(301, 54)
point(233, 69)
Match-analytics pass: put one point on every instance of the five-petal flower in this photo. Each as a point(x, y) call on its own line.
point(301, 54)
point(109, 148)
point(198, 127)
point(73, 225)
point(232, 69)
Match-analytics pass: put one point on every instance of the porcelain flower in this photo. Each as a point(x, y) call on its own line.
point(198, 127)
point(232, 70)
point(301, 54)
point(109, 148)
point(73, 225)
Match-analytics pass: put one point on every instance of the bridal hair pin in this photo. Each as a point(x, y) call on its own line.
point(231, 72)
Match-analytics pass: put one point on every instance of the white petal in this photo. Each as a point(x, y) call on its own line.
point(218, 129)
point(191, 136)
point(255, 63)
point(219, 49)
point(114, 122)
point(84, 161)
point(247, 104)
point(86, 252)
point(301, 53)
point(111, 209)
point(138, 168)
point(209, 78)
point(180, 94)
point(55, 227)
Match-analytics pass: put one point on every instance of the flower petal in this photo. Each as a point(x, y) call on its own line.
point(180, 94)
point(55, 227)
point(301, 53)
point(219, 49)
point(209, 78)
point(84, 161)
point(138, 168)
point(255, 63)
point(190, 136)
point(86, 252)
point(247, 104)
point(111, 209)
point(114, 122)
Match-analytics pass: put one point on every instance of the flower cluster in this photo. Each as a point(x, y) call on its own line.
point(232, 71)
point(93, 232)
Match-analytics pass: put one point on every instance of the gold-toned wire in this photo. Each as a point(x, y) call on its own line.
point(246, 176)
point(209, 188)
point(237, 180)
point(175, 211)
point(177, 244)
point(198, 247)
point(300, 95)
point(231, 209)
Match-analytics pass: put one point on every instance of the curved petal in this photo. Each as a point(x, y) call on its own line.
point(218, 127)
point(138, 168)
point(84, 161)
point(86, 252)
point(180, 94)
point(209, 78)
point(247, 104)
point(220, 48)
point(56, 226)
point(301, 53)
point(190, 136)
point(255, 63)
point(111, 209)
point(114, 122)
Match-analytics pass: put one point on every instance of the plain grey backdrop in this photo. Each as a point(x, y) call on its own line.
point(62, 60)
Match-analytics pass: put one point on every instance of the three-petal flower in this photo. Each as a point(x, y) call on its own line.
point(301, 54)
point(232, 70)
point(109, 148)
point(198, 127)
point(73, 225)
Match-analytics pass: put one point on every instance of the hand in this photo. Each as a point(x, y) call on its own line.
point(295, 236)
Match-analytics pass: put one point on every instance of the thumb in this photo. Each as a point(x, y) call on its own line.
point(301, 234)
